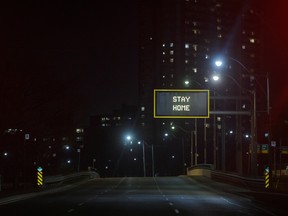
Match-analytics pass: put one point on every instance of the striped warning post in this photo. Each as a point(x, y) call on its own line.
point(39, 178)
point(267, 178)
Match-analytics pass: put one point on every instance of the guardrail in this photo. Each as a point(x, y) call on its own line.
point(277, 184)
point(200, 170)
point(247, 182)
point(58, 179)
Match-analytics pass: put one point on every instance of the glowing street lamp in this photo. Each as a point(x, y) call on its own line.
point(218, 63)
point(253, 145)
point(215, 77)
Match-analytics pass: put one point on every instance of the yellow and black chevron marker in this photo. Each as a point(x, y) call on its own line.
point(267, 178)
point(39, 176)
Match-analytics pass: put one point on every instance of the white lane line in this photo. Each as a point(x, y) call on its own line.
point(70, 210)
point(176, 211)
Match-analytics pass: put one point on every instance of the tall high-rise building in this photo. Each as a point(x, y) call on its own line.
point(179, 42)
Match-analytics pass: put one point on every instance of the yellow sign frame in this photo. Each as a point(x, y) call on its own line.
point(181, 90)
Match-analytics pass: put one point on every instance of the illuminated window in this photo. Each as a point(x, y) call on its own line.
point(79, 130)
point(252, 40)
point(171, 52)
point(64, 138)
point(186, 46)
point(195, 47)
point(142, 108)
point(79, 138)
point(171, 44)
point(171, 60)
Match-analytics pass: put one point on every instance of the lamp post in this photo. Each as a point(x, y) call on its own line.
point(187, 82)
point(129, 139)
point(152, 157)
point(143, 157)
point(253, 144)
point(191, 143)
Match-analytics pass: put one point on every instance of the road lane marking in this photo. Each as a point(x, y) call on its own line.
point(70, 210)
point(176, 211)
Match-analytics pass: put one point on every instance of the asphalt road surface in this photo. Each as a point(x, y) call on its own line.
point(148, 196)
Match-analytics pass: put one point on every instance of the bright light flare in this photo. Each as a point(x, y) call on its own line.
point(215, 77)
point(218, 63)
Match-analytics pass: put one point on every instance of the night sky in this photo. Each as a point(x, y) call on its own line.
point(276, 57)
point(87, 50)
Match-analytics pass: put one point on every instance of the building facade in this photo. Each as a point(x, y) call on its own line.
point(179, 42)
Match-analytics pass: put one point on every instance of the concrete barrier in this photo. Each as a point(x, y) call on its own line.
point(200, 170)
point(59, 179)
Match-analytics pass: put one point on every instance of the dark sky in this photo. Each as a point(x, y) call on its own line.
point(92, 47)
point(275, 63)
point(90, 44)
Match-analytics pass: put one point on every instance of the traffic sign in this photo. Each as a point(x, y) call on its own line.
point(181, 103)
point(273, 143)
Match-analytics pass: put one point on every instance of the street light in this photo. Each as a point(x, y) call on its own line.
point(143, 142)
point(187, 83)
point(253, 145)
point(143, 156)
point(191, 142)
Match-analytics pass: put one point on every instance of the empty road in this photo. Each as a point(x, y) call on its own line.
point(148, 196)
